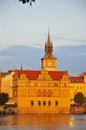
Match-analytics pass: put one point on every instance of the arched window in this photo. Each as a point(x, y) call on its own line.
point(39, 93)
point(44, 93)
point(39, 103)
point(49, 93)
point(32, 103)
point(44, 103)
point(49, 103)
point(56, 103)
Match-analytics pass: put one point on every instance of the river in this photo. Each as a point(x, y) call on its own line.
point(43, 122)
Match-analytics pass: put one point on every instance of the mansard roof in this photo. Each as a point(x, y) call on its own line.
point(76, 79)
point(33, 74)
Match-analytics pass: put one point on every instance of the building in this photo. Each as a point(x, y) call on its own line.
point(46, 90)
point(7, 84)
point(0, 81)
point(77, 84)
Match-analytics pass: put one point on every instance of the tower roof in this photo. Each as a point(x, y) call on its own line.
point(48, 48)
point(48, 38)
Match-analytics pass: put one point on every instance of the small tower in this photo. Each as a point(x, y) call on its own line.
point(48, 61)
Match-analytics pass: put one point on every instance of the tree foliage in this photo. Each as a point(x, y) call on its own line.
point(79, 98)
point(4, 97)
point(27, 1)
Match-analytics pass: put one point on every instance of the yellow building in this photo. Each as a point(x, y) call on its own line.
point(84, 75)
point(77, 84)
point(46, 90)
point(7, 84)
point(0, 81)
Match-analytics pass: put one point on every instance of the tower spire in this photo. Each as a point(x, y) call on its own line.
point(48, 47)
point(48, 38)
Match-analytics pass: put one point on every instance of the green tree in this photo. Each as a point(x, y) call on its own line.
point(4, 97)
point(79, 98)
point(27, 1)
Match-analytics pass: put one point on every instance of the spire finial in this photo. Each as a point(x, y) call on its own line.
point(48, 39)
point(48, 30)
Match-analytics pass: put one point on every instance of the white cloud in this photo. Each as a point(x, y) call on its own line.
point(5, 57)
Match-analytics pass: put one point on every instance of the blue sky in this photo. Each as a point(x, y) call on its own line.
point(21, 24)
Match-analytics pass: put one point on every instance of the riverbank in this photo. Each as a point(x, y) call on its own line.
point(78, 109)
point(10, 110)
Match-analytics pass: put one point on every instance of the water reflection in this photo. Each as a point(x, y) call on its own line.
point(43, 122)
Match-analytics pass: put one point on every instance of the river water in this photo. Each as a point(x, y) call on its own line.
point(43, 122)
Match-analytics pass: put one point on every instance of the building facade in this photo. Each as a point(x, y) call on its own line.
point(77, 84)
point(46, 90)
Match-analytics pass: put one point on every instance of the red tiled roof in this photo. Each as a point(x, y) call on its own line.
point(33, 74)
point(56, 75)
point(77, 79)
point(84, 73)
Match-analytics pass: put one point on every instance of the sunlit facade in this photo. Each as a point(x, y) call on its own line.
point(48, 90)
point(77, 84)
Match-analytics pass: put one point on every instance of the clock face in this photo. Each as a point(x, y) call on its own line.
point(49, 64)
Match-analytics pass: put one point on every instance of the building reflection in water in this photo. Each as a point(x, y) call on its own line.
point(43, 122)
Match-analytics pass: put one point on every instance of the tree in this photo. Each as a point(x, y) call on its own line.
point(79, 98)
point(4, 97)
point(27, 1)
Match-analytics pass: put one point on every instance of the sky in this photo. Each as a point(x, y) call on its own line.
point(22, 25)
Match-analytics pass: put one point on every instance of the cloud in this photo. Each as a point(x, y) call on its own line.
point(83, 53)
point(5, 58)
point(70, 39)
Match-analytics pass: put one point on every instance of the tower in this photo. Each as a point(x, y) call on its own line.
point(48, 61)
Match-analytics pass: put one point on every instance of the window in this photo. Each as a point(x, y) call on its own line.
point(44, 103)
point(48, 84)
point(44, 93)
point(49, 103)
point(49, 93)
point(56, 84)
point(64, 84)
point(39, 93)
point(32, 103)
point(39, 103)
point(56, 103)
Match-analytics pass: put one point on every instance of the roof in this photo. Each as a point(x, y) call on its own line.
point(84, 73)
point(77, 79)
point(33, 74)
point(56, 75)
